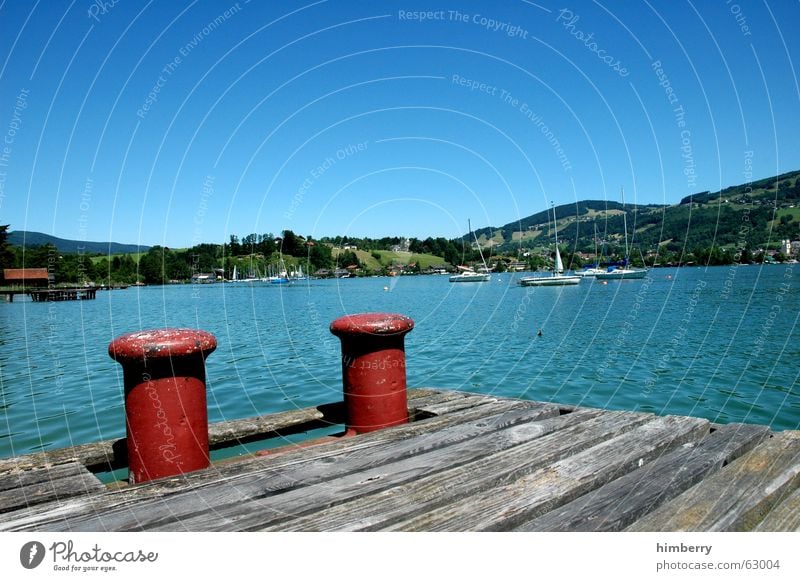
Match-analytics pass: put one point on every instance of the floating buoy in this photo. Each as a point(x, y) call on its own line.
point(539, 334)
point(605, 282)
point(386, 288)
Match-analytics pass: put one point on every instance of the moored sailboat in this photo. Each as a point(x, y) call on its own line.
point(469, 274)
point(556, 278)
point(592, 269)
point(623, 270)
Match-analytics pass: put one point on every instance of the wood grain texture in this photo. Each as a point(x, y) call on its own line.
point(738, 497)
point(107, 453)
point(785, 517)
point(31, 488)
point(215, 490)
point(619, 503)
point(508, 506)
point(470, 463)
point(559, 437)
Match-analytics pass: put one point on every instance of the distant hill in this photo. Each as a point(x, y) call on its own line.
point(31, 239)
point(755, 214)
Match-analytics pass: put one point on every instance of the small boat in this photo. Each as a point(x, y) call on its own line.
point(589, 271)
point(280, 276)
point(622, 270)
point(468, 274)
point(592, 269)
point(298, 274)
point(556, 278)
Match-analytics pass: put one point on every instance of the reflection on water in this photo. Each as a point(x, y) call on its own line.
point(719, 343)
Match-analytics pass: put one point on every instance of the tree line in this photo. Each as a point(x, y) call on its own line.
point(262, 254)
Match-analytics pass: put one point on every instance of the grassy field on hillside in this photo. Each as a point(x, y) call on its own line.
point(135, 255)
point(388, 258)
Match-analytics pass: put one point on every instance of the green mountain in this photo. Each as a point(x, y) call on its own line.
point(754, 215)
point(33, 239)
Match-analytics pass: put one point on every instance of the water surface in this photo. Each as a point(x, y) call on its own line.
point(719, 343)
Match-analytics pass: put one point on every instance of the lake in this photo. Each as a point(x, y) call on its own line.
point(719, 343)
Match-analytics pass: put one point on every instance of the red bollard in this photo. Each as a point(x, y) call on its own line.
point(165, 400)
point(373, 370)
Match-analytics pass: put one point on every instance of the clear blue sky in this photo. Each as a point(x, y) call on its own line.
point(175, 123)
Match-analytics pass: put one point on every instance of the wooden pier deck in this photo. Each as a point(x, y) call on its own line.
point(467, 463)
point(55, 294)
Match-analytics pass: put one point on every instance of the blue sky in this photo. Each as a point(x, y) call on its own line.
point(177, 123)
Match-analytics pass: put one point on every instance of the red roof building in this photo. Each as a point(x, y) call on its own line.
point(26, 276)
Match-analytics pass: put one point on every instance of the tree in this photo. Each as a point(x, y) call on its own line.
point(292, 244)
point(151, 266)
point(320, 256)
point(8, 257)
point(234, 248)
point(348, 258)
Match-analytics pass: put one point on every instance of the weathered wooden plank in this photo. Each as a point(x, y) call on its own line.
point(619, 503)
point(363, 479)
point(127, 509)
point(454, 405)
point(430, 396)
point(33, 487)
point(108, 451)
point(737, 497)
point(422, 392)
point(254, 465)
point(112, 452)
point(85, 454)
point(783, 518)
point(411, 496)
point(506, 507)
point(249, 428)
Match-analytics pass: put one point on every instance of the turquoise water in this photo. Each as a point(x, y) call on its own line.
point(720, 343)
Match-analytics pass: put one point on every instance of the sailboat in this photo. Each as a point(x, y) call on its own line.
point(592, 269)
point(556, 278)
point(280, 276)
point(622, 270)
point(468, 274)
point(298, 274)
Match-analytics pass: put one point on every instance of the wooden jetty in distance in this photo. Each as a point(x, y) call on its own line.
point(54, 294)
point(75, 293)
point(466, 462)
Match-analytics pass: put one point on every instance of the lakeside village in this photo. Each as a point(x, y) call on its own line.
point(291, 257)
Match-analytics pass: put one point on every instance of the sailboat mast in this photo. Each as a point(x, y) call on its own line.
point(478, 244)
point(557, 265)
point(625, 223)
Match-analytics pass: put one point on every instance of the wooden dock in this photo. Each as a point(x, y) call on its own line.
point(466, 463)
point(39, 295)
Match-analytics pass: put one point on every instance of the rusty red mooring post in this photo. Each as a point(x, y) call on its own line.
point(165, 400)
point(373, 369)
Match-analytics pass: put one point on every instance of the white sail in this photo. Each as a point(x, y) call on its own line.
point(234, 272)
point(559, 265)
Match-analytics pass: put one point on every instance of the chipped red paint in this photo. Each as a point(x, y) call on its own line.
point(165, 400)
point(373, 369)
point(161, 343)
point(372, 324)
